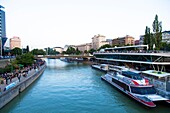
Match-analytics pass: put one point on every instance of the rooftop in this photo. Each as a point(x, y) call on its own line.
point(158, 74)
point(1, 7)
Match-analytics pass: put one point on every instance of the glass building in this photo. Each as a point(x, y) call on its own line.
point(3, 37)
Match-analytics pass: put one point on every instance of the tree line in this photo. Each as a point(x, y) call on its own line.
point(154, 39)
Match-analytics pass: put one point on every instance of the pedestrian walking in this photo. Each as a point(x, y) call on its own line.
point(10, 77)
point(6, 78)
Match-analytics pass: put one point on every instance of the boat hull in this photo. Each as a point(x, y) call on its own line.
point(98, 68)
point(148, 104)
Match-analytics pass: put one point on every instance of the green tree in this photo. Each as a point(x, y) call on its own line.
point(38, 52)
point(50, 51)
point(70, 50)
point(25, 59)
point(91, 51)
point(147, 37)
point(16, 51)
point(105, 46)
point(78, 52)
point(85, 51)
point(157, 32)
point(27, 49)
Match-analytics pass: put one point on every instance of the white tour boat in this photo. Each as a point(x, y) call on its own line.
point(134, 85)
point(101, 67)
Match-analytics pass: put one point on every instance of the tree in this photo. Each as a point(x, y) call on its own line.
point(38, 52)
point(147, 38)
point(25, 59)
point(16, 51)
point(27, 49)
point(154, 38)
point(85, 51)
point(105, 46)
point(91, 51)
point(50, 51)
point(70, 50)
point(157, 32)
point(78, 52)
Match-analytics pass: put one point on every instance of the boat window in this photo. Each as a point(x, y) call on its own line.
point(168, 78)
point(162, 79)
point(143, 90)
point(126, 75)
point(132, 75)
point(137, 77)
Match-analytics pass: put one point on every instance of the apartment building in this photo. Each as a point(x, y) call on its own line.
point(121, 41)
point(15, 42)
point(98, 41)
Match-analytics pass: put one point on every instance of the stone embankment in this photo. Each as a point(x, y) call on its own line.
point(15, 87)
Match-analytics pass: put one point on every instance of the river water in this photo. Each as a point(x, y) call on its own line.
point(75, 88)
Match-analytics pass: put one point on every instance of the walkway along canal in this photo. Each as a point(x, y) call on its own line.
point(10, 91)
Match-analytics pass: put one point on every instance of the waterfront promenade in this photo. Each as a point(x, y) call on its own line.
point(15, 80)
point(18, 84)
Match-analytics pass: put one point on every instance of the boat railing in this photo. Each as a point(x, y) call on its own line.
point(134, 51)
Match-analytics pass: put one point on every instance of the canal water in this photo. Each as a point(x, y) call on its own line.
point(75, 88)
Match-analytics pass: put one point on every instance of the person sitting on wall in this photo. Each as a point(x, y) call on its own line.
point(24, 74)
point(10, 77)
point(19, 76)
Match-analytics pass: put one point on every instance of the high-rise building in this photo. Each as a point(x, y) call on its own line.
point(3, 37)
point(15, 42)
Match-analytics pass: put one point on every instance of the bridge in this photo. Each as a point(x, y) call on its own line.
point(84, 57)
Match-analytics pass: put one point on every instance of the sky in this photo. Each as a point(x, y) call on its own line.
point(55, 23)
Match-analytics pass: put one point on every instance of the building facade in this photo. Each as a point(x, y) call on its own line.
point(109, 41)
point(3, 37)
point(121, 41)
point(98, 41)
point(136, 42)
point(166, 36)
point(84, 47)
point(15, 42)
point(141, 39)
point(58, 49)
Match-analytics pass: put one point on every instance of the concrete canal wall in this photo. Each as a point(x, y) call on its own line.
point(18, 87)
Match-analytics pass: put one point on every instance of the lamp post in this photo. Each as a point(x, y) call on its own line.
point(153, 47)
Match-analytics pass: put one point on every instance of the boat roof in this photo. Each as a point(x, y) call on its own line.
point(156, 73)
point(104, 64)
point(131, 73)
point(126, 47)
point(167, 54)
